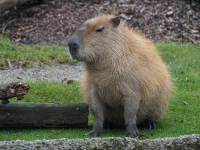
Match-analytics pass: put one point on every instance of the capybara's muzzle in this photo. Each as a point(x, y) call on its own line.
point(74, 47)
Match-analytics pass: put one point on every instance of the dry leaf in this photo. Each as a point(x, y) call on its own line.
point(65, 79)
point(106, 3)
point(184, 103)
point(145, 136)
point(169, 8)
point(194, 31)
point(170, 13)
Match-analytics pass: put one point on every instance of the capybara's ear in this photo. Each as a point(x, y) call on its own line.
point(115, 21)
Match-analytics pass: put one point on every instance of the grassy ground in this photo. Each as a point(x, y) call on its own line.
point(25, 55)
point(180, 119)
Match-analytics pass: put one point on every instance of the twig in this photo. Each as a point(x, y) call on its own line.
point(180, 11)
point(3, 30)
point(9, 63)
point(56, 133)
point(149, 2)
point(29, 30)
point(193, 41)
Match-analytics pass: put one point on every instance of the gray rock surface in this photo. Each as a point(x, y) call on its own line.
point(55, 72)
point(187, 142)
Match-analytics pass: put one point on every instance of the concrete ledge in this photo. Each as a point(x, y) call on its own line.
point(190, 142)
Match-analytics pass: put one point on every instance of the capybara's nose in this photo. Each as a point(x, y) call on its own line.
point(73, 44)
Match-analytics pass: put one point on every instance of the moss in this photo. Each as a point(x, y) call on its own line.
point(115, 141)
point(174, 143)
point(198, 140)
point(118, 148)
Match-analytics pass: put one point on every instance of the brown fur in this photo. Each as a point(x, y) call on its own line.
point(124, 76)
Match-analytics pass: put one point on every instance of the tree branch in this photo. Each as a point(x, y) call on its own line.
point(11, 90)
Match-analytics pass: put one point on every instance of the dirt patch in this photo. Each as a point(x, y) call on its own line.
point(57, 72)
point(55, 21)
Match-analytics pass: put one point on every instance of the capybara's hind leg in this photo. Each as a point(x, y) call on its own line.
point(147, 124)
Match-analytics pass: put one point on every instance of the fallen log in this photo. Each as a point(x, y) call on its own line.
point(11, 90)
point(44, 115)
point(6, 4)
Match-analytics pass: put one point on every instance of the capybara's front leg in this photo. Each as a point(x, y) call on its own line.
point(98, 119)
point(131, 105)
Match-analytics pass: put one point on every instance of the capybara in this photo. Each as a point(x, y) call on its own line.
point(125, 81)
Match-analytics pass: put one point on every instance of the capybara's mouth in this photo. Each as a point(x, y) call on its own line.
point(74, 47)
point(75, 55)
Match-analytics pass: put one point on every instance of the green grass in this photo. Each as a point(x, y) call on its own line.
point(184, 63)
point(52, 92)
point(25, 55)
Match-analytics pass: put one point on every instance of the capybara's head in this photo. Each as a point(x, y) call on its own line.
point(96, 39)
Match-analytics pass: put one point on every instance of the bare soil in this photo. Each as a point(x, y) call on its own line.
point(55, 21)
point(57, 72)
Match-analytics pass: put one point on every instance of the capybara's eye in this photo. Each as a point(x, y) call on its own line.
point(99, 30)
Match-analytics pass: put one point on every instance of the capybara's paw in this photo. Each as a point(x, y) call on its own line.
point(93, 133)
point(149, 125)
point(152, 125)
point(132, 132)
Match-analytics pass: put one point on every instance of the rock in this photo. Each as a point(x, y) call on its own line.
point(187, 142)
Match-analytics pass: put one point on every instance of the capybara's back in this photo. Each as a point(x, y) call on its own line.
point(125, 80)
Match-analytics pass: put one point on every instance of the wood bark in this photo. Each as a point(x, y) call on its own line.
point(11, 90)
point(43, 115)
point(6, 4)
